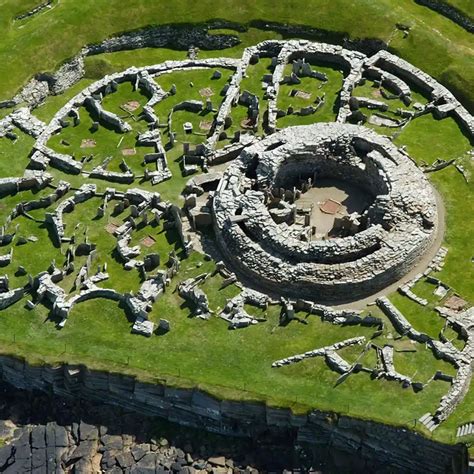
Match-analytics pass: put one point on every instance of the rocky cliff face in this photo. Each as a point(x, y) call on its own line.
point(42, 433)
point(376, 445)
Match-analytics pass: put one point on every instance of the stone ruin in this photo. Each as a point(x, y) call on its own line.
point(395, 230)
point(253, 204)
point(189, 290)
point(462, 360)
point(334, 360)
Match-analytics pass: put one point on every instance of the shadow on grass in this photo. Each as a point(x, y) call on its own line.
point(128, 314)
point(51, 234)
point(186, 305)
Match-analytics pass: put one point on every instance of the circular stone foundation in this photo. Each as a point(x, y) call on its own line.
point(267, 236)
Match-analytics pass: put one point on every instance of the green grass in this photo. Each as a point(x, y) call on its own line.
point(327, 112)
point(18, 148)
point(120, 60)
point(463, 414)
point(53, 103)
point(427, 140)
point(234, 364)
point(189, 86)
point(435, 44)
point(464, 6)
point(423, 318)
point(120, 280)
point(108, 144)
point(369, 90)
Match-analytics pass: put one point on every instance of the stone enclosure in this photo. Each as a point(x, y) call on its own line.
point(381, 245)
point(230, 174)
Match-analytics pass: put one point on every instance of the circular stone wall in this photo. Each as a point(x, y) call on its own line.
point(391, 235)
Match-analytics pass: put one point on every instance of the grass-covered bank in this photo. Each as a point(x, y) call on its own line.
point(435, 44)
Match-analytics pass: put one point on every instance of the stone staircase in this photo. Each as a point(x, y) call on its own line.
point(429, 422)
point(465, 430)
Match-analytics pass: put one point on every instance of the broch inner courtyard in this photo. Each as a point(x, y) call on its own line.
point(302, 203)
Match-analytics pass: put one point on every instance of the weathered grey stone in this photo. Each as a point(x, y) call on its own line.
point(396, 236)
point(38, 437)
point(6, 456)
point(338, 362)
point(143, 327)
point(146, 465)
point(88, 432)
point(164, 325)
point(190, 291)
point(112, 442)
point(125, 460)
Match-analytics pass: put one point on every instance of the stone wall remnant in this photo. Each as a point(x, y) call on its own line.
point(358, 265)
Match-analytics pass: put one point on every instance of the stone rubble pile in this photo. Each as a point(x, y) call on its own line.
point(189, 290)
point(33, 94)
point(24, 120)
point(236, 315)
point(31, 179)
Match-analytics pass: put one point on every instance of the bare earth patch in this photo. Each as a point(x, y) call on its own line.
point(131, 105)
point(303, 95)
point(206, 92)
point(129, 151)
point(205, 125)
point(455, 303)
point(88, 143)
point(111, 227)
point(247, 123)
point(330, 206)
point(148, 241)
point(377, 94)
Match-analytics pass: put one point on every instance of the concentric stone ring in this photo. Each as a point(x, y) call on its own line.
point(270, 232)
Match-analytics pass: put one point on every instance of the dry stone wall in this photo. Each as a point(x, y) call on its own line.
point(450, 12)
